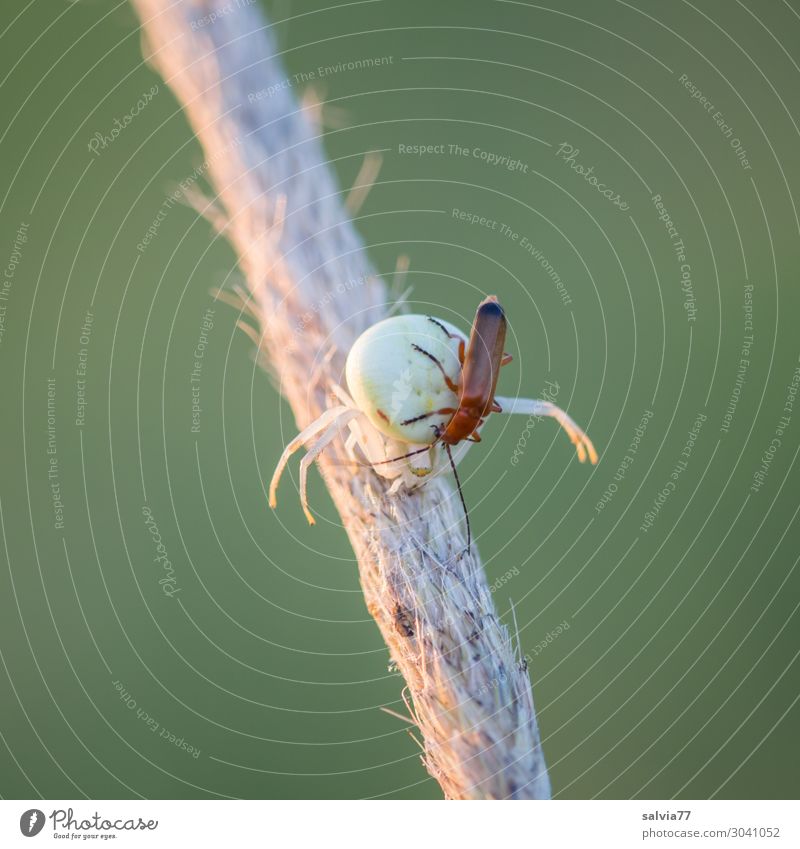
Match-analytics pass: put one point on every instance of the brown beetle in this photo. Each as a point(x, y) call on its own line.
point(390, 386)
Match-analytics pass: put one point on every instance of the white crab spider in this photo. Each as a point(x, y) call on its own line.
point(404, 376)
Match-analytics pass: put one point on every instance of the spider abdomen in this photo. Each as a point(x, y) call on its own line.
point(398, 372)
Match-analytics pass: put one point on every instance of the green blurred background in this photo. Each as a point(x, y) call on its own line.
point(678, 674)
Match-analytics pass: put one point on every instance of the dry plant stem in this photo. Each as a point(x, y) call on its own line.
point(313, 292)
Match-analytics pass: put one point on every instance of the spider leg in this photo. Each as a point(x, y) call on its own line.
point(351, 442)
point(314, 451)
point(577, 436)
point(304, 436)
point(423, 471)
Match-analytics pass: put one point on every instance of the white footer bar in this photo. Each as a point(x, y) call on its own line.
point(378, 824)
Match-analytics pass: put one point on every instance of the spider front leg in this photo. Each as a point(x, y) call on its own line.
point(531, 407)
point(329, 424)
point(314, 451)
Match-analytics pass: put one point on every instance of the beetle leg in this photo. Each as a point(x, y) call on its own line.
point(453, 387)
point(441, 327)
point(461, 342)
point(445, 411)
point(444, 330)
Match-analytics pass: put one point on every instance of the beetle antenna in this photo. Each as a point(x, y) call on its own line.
point(401, 457)
point(394, 459)
point(460, 495)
